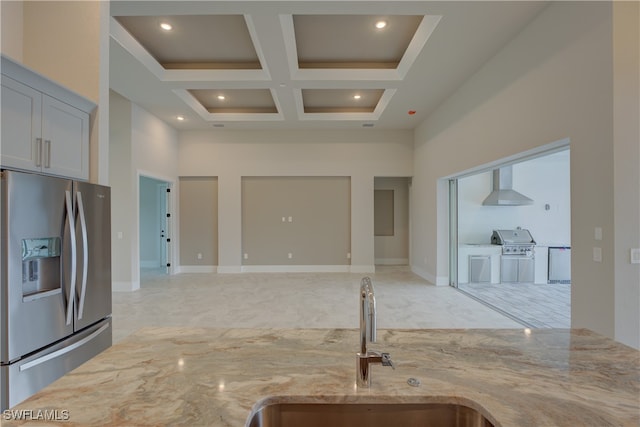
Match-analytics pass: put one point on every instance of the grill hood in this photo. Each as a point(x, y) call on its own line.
point(503, 193)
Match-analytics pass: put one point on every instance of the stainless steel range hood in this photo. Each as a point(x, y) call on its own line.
point(503, 193)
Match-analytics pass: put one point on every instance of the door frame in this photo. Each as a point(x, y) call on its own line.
point(171, 254)
point(452, 209)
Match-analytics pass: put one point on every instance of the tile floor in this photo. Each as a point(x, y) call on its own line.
point(537, 305)
point(295, 300)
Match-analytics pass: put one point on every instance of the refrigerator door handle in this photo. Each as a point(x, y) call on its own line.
point(64, 350)
point(72, 232)
point(85, 254)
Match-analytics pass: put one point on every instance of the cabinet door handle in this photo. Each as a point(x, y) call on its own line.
point(38, 152)
point(47, 150)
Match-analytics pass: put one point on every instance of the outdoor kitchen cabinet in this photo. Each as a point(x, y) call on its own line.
point(45, 127)
point(515, 269)
point(469, 254)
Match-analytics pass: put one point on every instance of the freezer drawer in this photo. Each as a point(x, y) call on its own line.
point(27, 376)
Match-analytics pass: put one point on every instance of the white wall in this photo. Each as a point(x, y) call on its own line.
point(361, 155)
point(626, 108)
point(122, 191)
point(61, 40)
point(147, 146)
point(544, 179)
point(11, 34)
point(553, 81)
point(67, 42)
point(121, 180)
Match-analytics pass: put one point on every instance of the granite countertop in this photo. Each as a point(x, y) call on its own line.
point(216, 377)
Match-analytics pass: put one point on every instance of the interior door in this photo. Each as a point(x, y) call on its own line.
point(93, 234)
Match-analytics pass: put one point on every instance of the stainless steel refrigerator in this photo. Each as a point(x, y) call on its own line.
point(55, 294)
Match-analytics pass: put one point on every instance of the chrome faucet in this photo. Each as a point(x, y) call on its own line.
point(368, 333)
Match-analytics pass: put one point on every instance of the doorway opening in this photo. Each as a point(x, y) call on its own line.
point(155, 226)
point(391, 221)
point(529, 282)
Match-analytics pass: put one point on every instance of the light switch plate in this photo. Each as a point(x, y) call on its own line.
point(597, 254)
point(634, 255)
point(597, 233)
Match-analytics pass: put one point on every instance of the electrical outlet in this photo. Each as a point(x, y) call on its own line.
point(349, 255)
point(199, 255)
point(634, 255)
point(290, 255)
point(246, 256)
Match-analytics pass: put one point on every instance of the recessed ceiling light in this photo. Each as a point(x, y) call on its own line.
point(221, 97)
point(166, 26)
point(180, 118)
point(381, 24)
point(357, 96)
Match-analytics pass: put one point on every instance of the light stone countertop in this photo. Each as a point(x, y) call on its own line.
point(214, 377)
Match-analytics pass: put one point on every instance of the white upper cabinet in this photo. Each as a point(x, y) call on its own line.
point(42, 128)
point(65, 139)
point(21, 125)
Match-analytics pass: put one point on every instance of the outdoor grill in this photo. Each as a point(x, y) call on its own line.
point(514, 242)
point(517, 260)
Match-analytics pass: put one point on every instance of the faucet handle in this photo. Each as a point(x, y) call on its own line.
point(386, 360)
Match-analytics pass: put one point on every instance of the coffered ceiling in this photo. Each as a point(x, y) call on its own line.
point(303, 64)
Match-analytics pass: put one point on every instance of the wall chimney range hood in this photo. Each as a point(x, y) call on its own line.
point(503, 193)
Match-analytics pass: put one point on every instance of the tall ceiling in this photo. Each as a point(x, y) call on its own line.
point(303, 64)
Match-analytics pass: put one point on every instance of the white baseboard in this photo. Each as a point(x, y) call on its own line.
point(197, 269)
point(436, 280)
point(442, 281)
point(424, 274)
point(392, 261)
point(295, 268)
point(363, 269)
point(225, 269)
point(125, 286)
point(233, 269)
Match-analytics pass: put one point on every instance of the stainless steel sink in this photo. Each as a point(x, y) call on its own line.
point(368, 415)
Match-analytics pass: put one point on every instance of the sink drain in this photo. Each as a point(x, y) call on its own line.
point(413, 382)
